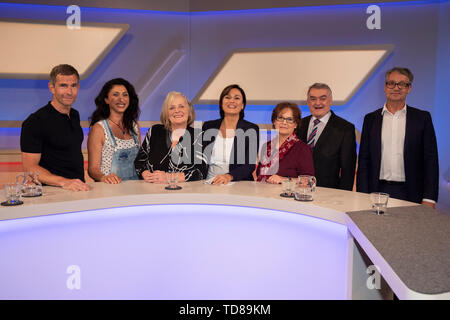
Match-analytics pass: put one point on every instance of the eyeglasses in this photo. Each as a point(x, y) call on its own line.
point(400, 85)
point(288, 120)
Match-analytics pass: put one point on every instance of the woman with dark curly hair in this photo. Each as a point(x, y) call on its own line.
point(113, 141)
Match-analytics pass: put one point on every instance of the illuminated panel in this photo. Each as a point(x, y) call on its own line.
point(30, 49)
point(173, 252)
point(269, 76)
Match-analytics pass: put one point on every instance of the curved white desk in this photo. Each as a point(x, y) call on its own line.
point(137, 240)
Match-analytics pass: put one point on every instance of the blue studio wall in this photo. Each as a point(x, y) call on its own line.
point(441, 110)
point(419, 31)
point(150, 36)
point(323, 26)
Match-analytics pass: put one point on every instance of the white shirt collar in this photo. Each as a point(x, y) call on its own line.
point(385, 109)
point(324, 119)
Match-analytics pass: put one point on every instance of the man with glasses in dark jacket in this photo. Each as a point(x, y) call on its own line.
point(398, 152)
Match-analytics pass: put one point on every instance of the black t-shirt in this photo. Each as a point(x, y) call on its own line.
point(58, 138)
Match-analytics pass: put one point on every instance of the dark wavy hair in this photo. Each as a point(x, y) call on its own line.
point(227, 91)
point(102, 112)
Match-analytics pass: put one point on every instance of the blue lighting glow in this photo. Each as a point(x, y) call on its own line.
point(43, 7)
point(173, 252)
point(317, 7)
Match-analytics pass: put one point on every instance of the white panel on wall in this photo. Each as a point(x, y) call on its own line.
point(272, 75)
point(30, 49)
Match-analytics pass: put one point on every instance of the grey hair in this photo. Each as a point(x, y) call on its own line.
point(404, 71)
point(319, 85)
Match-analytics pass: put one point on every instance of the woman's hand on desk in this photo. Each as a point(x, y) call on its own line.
point(275, 179)
point(111, 179)
point(157, 176)
point(146, 174)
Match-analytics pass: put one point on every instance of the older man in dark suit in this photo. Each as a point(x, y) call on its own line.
point(331, 138)
point(398, 152)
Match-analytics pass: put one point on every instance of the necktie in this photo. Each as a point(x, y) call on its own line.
point(312, 136)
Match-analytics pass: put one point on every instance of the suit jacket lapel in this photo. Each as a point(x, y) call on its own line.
point(377, 127)
point(303, 131)
point(409, 127)
point(327, 131)
point(233, 156)
point(209, 144)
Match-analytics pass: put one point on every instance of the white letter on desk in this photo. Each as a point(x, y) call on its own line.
point(374, 281)
point(74, 280)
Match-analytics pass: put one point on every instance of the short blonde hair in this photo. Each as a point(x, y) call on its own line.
point(165, 109)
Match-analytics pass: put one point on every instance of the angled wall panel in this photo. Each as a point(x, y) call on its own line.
point(273, 75)
point(30, 48)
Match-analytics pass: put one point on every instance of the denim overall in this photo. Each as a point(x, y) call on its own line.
point(123, 159)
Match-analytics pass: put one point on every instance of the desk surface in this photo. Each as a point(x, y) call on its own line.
point(416, 243)
point(328, 203)
point(410, 243)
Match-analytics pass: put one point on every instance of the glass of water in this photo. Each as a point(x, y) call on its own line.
point(12, 192)
point(288, 188)
point(379, 202)
point(305, 188)
point(31, 186)
point(172, 180)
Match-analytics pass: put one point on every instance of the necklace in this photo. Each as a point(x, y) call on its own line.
point(123, 130)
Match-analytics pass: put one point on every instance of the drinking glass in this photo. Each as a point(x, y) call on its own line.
point(172, 180)
point(31, 186)
point(288, 190)
point(12, 193)
point(379, 202)
point(305, 188)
